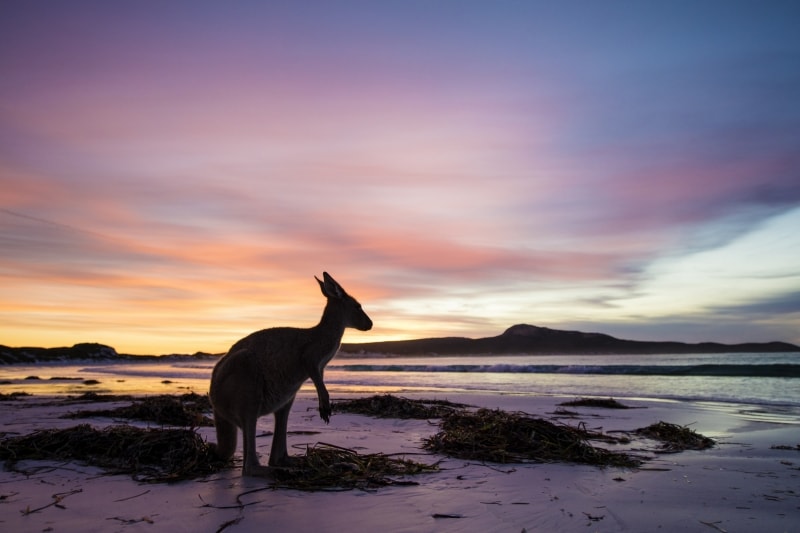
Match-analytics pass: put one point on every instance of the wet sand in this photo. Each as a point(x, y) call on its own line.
point(748, 482)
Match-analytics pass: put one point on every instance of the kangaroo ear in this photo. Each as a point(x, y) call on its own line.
point(330, 289)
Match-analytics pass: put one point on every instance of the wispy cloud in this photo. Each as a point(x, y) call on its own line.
point(175, 177)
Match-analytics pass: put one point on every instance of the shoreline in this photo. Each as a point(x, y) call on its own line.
point(734, 381)
point(741, 484)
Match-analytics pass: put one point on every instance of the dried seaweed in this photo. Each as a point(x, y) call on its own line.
point(148, 455)
point(785, 447)
point(94, 397)
point(675, 438)
point(167, 410)
point(389, 406)
point(165, 455)
point(607, 403)
point(12, 396)
point(333, 468)
point(502, 437)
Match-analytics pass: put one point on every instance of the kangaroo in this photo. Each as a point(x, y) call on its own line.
point(262, 373)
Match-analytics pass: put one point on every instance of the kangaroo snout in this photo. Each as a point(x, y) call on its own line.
point(366, 325)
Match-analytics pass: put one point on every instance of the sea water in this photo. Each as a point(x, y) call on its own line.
point(754, 378)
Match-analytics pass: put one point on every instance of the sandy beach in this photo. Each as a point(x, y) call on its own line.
point(748, 482)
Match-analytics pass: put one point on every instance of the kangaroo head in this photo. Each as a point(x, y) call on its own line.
point(353, 315)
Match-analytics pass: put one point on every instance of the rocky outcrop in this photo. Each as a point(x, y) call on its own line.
point(87, 351)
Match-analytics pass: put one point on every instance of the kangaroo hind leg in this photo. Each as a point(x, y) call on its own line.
point(226, 436)
point(251, 466)
point(279, 455)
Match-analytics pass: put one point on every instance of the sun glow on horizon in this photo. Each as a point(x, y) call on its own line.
point(459, 168)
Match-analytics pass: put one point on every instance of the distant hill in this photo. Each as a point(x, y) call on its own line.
point(519, 339)
point(526, 339)
point(87, 351)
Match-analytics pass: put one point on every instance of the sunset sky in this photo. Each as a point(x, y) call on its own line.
point(173, 174)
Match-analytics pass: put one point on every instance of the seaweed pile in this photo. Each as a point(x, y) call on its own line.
point(167, 410)
point(94, 397)
point(147, 455)
point(333, 468)
point(785, 447)
point(675, 438)
point(168, 455)
point(389, 406)
point(12, 396)
point(607, 403)
point(502, 437)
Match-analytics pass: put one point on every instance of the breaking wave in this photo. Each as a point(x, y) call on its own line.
point(777, 370)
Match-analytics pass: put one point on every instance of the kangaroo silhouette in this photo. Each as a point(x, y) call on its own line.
point(262, 373)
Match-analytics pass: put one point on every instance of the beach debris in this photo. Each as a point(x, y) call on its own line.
point(714, 525)
point(561, 413)
point(4, 497)
point(494, 436)
point(785, 447)
point(94, 397)
point(57, 499)
point(604, 403)
point(229, 523)
point(165, 409)
point(390, 406)
point(88, 397)
point(326, 467)
point(148, 455)
point(675, 438)
point(131, 521)
point(133, 497)
point(502, 437)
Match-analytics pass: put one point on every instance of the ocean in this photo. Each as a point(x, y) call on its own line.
point(771, 379)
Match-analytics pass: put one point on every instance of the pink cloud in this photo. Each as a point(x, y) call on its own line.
point(225, 159)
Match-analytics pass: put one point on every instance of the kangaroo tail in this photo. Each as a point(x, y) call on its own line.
point(226, 437)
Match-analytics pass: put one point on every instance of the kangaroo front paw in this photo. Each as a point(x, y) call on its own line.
point(325, 412)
